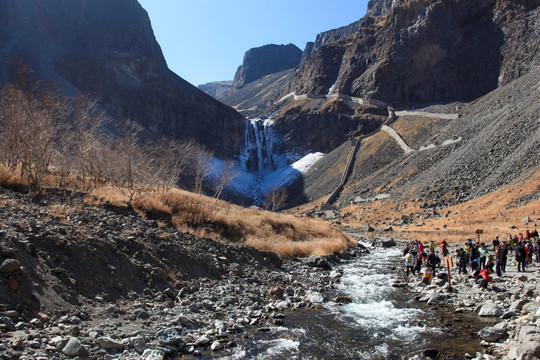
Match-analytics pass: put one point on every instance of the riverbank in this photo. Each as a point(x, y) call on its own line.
point(93, 282)
point(512, 300)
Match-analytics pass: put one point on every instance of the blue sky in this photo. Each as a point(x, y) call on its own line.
point(205, 40)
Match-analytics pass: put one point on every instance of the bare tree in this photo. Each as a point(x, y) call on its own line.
point(170, 159)
point(85, 139)
point(34, 119)
point(226, 174)
point(276, 199)
point(132, 165)
point(201, 166)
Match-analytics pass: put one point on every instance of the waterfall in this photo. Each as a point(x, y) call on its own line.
point(261, 153)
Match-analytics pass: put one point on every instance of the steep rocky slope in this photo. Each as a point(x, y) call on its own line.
point(266, 60)
point(495, 141)
point(107, 49)
point(216, 89)
point(426, 51)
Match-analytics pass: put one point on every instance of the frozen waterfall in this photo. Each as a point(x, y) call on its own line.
point(262, 151)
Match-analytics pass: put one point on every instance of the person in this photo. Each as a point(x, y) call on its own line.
point(462, 261)
point(427, 275)
point(420, 247)
point(482, 256)
point(496, 242)
point(482, 277)
point(406, 250)
point(418, 262)
point(444, 247)
point(498, 260)
point(409, 261)
point(521, 256)
point(504, 256)
point(537, 250)
point(511, 243)
point(432, 261)
point(528, 253)
point(474, 257)
point(432, 245)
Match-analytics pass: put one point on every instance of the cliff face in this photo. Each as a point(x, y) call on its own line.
point(427, 51)
point(266, 60)
point(107, 49)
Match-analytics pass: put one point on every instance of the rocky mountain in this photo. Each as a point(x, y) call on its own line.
point(495, 141)
point(428, 51)
point(107, 49)
point(265, 60)
point(379, 7)
point(216, 89)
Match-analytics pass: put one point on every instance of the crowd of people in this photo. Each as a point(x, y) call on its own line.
point(478, 259)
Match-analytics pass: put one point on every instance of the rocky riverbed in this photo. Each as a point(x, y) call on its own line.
point(92, 282)
point(513, 300)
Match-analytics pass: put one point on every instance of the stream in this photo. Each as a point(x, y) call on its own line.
point(381, 322)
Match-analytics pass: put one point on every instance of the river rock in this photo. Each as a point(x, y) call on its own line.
point(526, 349)
point(170, 336)
point(490, 309)
point(203, 341)
point(276, 292)
point(139, 344)
point(517, 305)
point(388, 243)
point(531, 307)
point(10, 265)
point(436, 299)
point(150, 354)
point(107, 343)
point(218, 345)
point(492, 334)
point(74, 348)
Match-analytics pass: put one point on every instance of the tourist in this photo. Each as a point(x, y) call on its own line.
point(498, 260)
point(444, 247)
point(463, 260)
point(474, 257)
point(511, 243)
point(521, 256)
point(537, 250)
point(482, 277)
point(418, 262)
point(427, 275)
point(504, 255)
point(482, 256)
point(432, 261)
point(409, 261)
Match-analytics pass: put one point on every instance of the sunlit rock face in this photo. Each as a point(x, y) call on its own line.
point(107, 49)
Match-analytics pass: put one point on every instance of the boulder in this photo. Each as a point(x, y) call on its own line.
point(490, 309)
point(10, 265)
point(276, 292)
point(492, 334)
point(74, 348)
point(107, 343)
point(388, 243)
point(170, 336)
point(531, 307)
point(150, 354)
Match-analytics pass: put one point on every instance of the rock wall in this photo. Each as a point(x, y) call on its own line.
point(107, 49)
point(428, 51)
point(266, 60)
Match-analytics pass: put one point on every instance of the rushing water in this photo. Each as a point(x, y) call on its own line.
point(382, 322)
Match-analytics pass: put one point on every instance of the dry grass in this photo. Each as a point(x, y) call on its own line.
point(493, 213)
point(283, 234)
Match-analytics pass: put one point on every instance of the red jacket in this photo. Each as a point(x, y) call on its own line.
point(485, 275)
